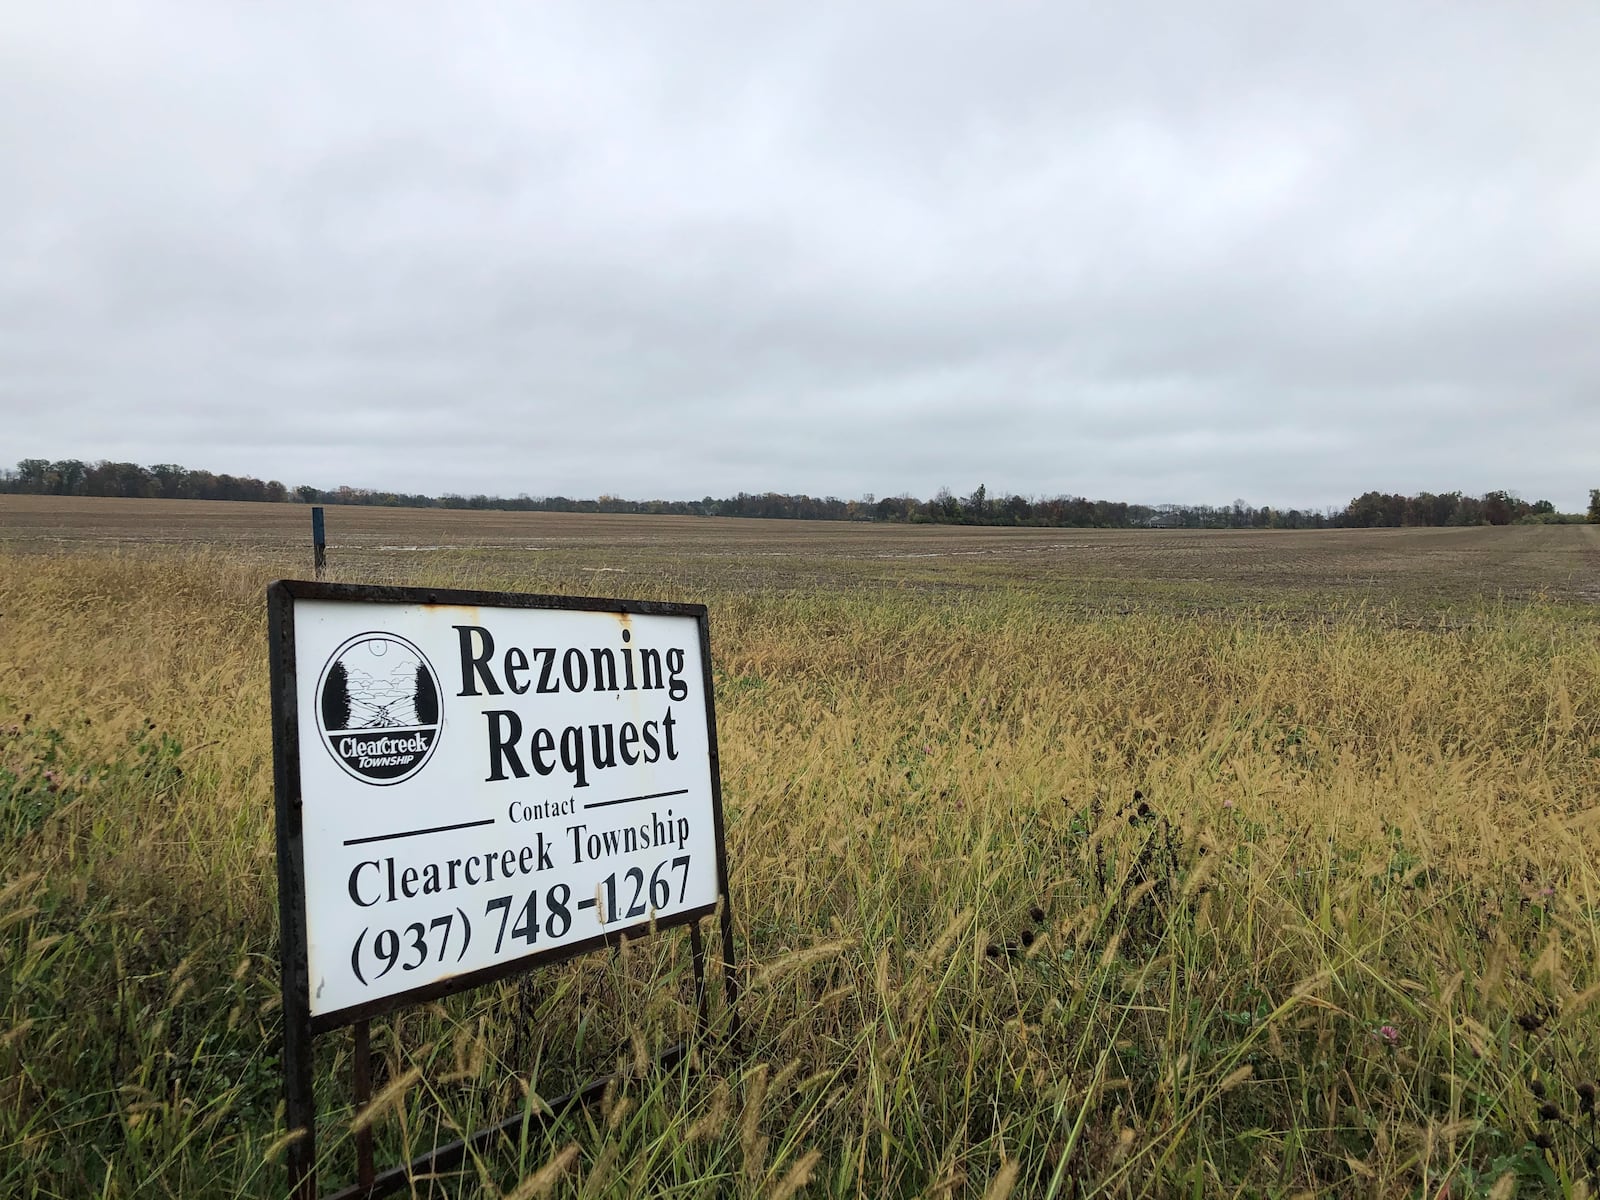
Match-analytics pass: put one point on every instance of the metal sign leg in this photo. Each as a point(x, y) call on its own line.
point(697, 951)
point(362, 1069)
point(730, 982)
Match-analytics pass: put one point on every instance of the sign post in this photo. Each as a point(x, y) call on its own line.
point(319, 541)
point(470, 784)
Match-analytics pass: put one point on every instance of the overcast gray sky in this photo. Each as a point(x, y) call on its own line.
point(1149, 252)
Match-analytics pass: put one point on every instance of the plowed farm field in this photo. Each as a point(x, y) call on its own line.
point(1409, 569)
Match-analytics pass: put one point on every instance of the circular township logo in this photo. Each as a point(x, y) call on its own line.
point(378, 708)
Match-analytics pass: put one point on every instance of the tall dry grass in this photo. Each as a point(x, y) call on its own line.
point(1029, 902)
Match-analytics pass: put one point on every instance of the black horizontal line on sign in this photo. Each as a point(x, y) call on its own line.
point(631, 799)
point(389, 837)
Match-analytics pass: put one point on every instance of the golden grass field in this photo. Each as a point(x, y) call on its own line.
point(1064, 863)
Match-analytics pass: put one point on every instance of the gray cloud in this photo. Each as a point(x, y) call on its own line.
point(1148, 252)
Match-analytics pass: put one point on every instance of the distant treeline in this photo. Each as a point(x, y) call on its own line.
point(71, 477)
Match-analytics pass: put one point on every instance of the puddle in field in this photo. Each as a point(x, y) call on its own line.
point(986, 551)
point(463, 546)
point(941, 554)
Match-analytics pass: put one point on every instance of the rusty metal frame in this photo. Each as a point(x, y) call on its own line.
point(300, 1027)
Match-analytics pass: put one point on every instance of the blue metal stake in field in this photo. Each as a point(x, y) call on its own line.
point(319, 541)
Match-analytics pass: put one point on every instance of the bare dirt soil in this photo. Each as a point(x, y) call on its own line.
point(1407, 568)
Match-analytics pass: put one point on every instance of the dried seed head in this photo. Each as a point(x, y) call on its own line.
point(1027, 937)
point(992, 950)
point(1549, 1112)
point(1536, 1086)
point(1530, 1022)
point(1544, 1141)
point(1036, 915)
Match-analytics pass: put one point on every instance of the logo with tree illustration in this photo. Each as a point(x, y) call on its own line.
point(378, 708)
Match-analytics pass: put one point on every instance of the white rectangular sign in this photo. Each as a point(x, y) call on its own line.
point(480, 783)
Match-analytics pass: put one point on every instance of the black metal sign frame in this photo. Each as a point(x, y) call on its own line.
point(300, 1025)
